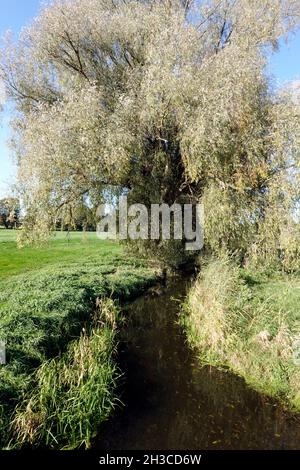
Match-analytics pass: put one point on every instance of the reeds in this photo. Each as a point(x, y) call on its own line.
point(248, 323)
point(75, 392)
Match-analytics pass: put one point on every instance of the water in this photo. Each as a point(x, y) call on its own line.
point(172, 403)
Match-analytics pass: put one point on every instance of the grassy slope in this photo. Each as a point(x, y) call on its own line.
point(250, 323)
point(47, 294)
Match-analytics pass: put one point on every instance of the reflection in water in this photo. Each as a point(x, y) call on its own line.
point(172, 403)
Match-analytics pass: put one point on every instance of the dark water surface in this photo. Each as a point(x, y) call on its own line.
point(172, 403)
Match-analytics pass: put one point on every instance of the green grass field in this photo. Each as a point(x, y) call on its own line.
point(59, 250)
point(47, 295)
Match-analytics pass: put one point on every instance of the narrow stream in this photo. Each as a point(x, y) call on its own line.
point(172, 403)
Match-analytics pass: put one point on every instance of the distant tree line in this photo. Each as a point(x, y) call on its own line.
point(10, 213)
point(82, 218)
point(79, 218)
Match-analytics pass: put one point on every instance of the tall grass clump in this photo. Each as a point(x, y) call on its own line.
point(209, 306)
point(74, 393)
point(243, 321)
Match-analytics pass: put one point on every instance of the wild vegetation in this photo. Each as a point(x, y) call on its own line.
point(75, 391)
point(249, 322)
point(164, 101)
point(49, 373)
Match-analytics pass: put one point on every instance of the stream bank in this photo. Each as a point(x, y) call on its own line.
point(170, 402)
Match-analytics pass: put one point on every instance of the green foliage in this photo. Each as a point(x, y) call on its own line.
point(171, 253)
point(249, 323)
point(9, 212)
point(75, 392)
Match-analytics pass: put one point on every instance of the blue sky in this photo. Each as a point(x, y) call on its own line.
point(14, 14)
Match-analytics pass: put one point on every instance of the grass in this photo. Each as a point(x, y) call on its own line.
point(75, 391)
point(59, 250)
point(248, 322)
point(47, 295)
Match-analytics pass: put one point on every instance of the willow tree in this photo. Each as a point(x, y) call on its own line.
point(168, 100)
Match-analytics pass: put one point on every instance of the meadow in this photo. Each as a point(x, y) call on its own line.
point(59, 250)
point(59, 313)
